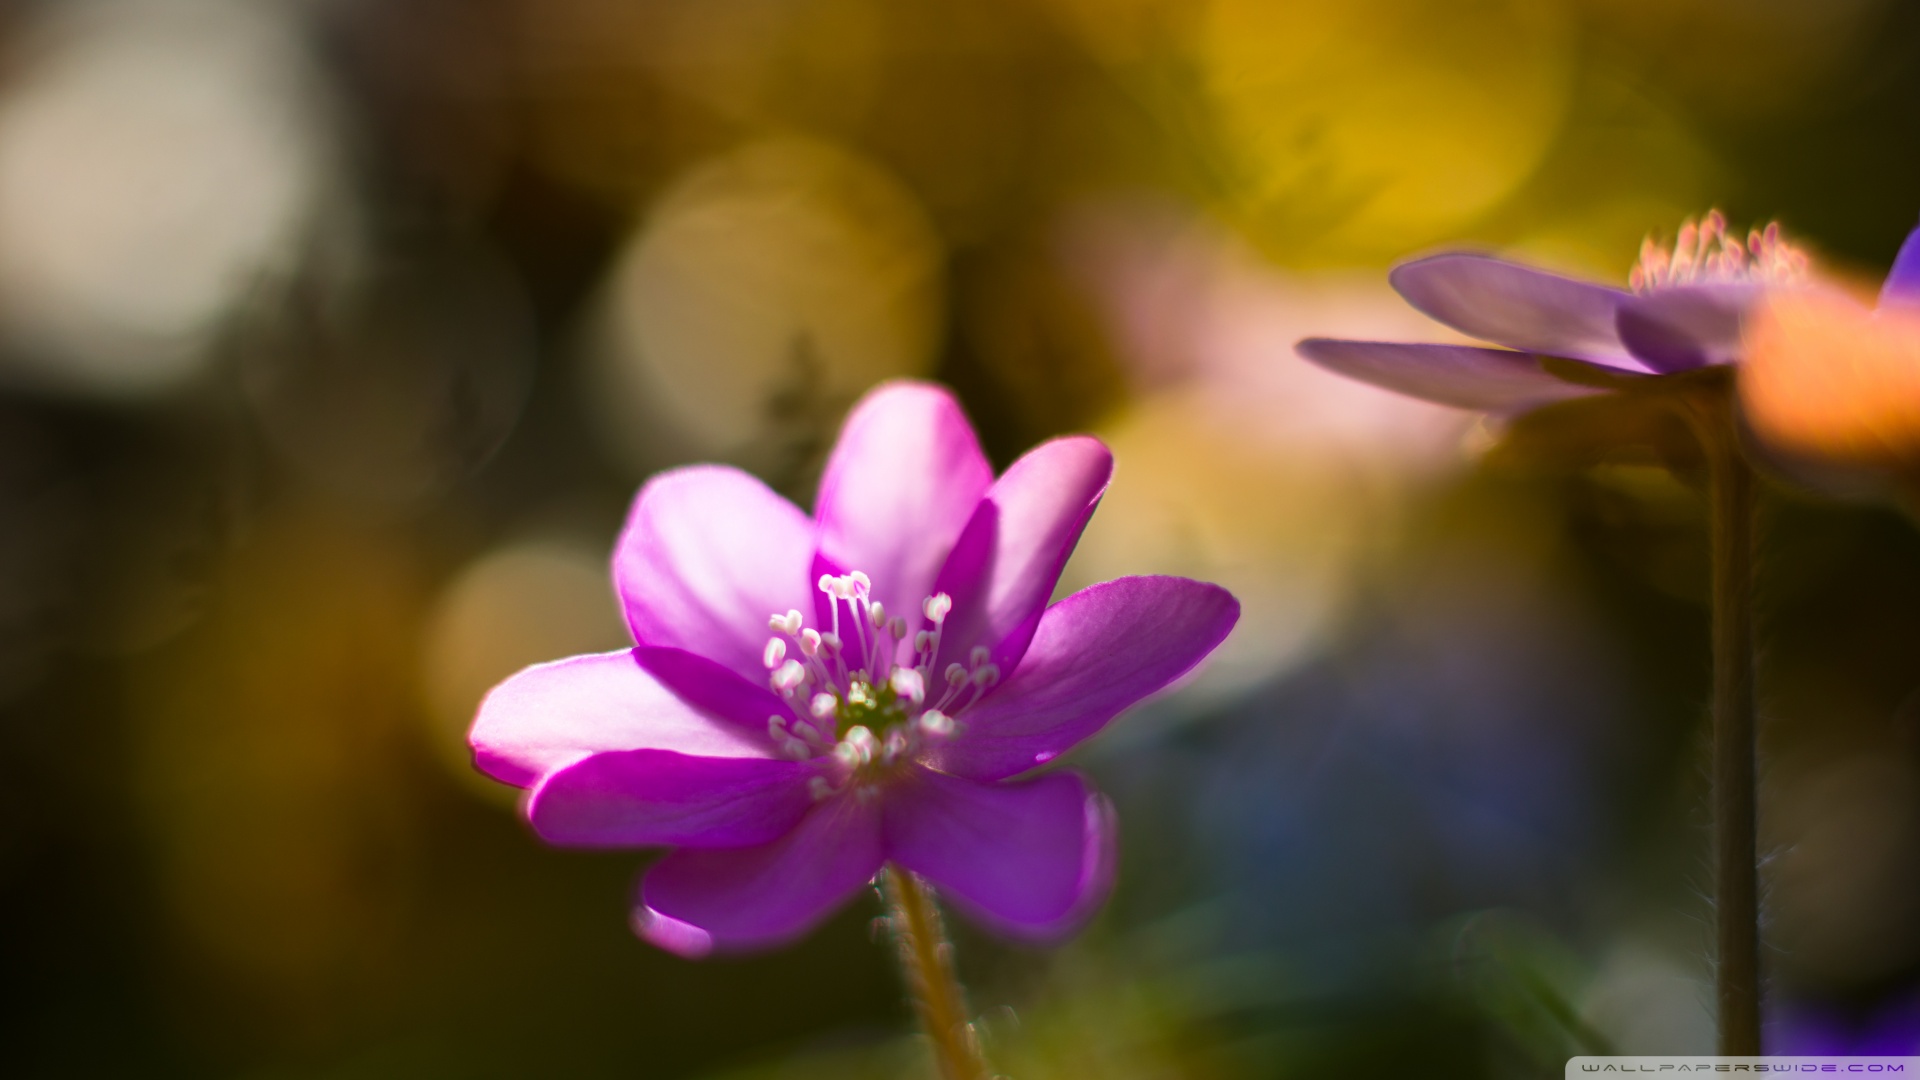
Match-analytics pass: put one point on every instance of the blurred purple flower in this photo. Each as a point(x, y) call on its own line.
point(1891, 1028)
point(913, 674)
point(1684, 310)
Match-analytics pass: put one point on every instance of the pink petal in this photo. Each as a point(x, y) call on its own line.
point(901, 484)
point(639, 798)
point(1517, 306)
point(1004, 566)
point(1687, 326)
point(714, 689)
point(1463, 376)
point(707, 555)
point(1902, 286)
point(1096, 652)
point(1032, 860)
point(552, 715)
point(759, 897)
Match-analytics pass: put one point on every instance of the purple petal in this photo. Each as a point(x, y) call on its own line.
point(714, 689)
point(1902, 286)
point(1032, 860)
point(1096, 652)
point(1686, 326)
point(707, 555)
point(1004, 566)
point(901, 484)
point(1463, 376)
point(640, 798)
point(758, 897)
point(1517, 306)
point(552, 715)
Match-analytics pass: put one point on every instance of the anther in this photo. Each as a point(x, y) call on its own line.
point(877, 615)
point(863, 583)
point(819, 788)
point(827, 583)
point(986, 675)
point(936, 723)
point(956, 675)
point(896, 626)
point(935, 608)
point(810, 642)
point(775, 652)
point(980, 655)
point(922, 641)
point(830, 641)
point(908, 684)
point(823, 705)
point(789, 676)
point(776, 727)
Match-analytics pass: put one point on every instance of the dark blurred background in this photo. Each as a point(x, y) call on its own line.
point(336, 334)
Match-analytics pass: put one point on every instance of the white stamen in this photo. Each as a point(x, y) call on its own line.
point(862, 582)
point(827, 583)
point(847, 754)
point(922, 640)
point(789, 676)
point(980, 655)
point(896, 627)
point(810, 642)
point(895, 745)
point(823, 705)
point(877, 615)
point(956, 675)
point(795, 749)
point(986, 675)
point(788, 624)
point(908, 684)
point(776, 727)
point(776, 651)
point(936, 723)
point(935, 608)
point(819, 788)
point(831, 642)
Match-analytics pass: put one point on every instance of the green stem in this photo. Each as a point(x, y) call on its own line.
point(926, 963)
point(1730, 483)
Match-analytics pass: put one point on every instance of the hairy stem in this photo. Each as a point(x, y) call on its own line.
point(1730, 483)
point(926, 963)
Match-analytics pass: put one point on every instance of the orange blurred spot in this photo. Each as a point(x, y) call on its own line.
point(1828, 377)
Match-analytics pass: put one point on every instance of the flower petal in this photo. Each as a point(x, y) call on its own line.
point(1517, 306)
point(1096, 652)
point(1032, 860)
point(1463, 376)
point(551, 715)
point(758, 897)
point(1004, 566)
point(1686, 326)
point(1902, 286)
point(707, 555)
point(901, 484)
point(639, 798)
point(715, 689)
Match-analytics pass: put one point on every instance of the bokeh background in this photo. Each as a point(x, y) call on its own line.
point(335, 336)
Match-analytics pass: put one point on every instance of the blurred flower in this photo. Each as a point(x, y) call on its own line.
point(1891, 1027)
point(884, 731)
point(1685, 311)
point(1830, 379)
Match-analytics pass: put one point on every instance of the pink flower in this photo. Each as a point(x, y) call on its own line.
point(811, 698)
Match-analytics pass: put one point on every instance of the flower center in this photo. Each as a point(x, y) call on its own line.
point(861, 710)
point(1705, 253)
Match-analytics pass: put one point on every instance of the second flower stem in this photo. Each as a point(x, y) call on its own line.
point(926, 963)
point(1730, 483)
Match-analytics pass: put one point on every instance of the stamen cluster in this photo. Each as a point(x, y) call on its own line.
point(856, 705)
point(1705, 253)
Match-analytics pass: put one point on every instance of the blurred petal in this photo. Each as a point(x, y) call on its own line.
point(712, 688)
point(1902, 286)
point(1687, 326)
point(1517, 306)
point(1031, 860)
point(757, 897)
point(901, 484)
point(1095, 653)
point(708, 554)
point(1826, 378)
point(1004, 566)
point(637, 798)
point(552, 715)
point(1464, 376)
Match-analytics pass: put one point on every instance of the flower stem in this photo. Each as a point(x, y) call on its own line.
point(1730, 483)
point(926, 963)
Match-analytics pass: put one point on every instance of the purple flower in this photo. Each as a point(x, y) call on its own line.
point(811, 698)
point(1684, 310)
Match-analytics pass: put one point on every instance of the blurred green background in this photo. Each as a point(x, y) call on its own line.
point(335, 336)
